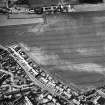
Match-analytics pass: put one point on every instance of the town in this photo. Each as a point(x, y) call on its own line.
point(24, 81)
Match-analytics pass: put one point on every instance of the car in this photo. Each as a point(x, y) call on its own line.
point(38, 10)
point(1, 50)
point(3, 78)
point(31, 11)
point(51, 84)
point(59, 9)
point(4, 10)
point(43, 80)
point(29, 60)
point(17, 48)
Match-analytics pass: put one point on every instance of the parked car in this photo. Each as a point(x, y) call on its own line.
point(4, 10)
point(38, 10)
point(31, 11)
point(58, 9)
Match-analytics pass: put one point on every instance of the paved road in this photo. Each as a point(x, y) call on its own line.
point(73, 46)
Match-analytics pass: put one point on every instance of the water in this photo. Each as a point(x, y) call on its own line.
point(70, 47)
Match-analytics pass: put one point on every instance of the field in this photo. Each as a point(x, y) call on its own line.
point(70, 46)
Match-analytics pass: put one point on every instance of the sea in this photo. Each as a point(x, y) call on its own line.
point(71, 47)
